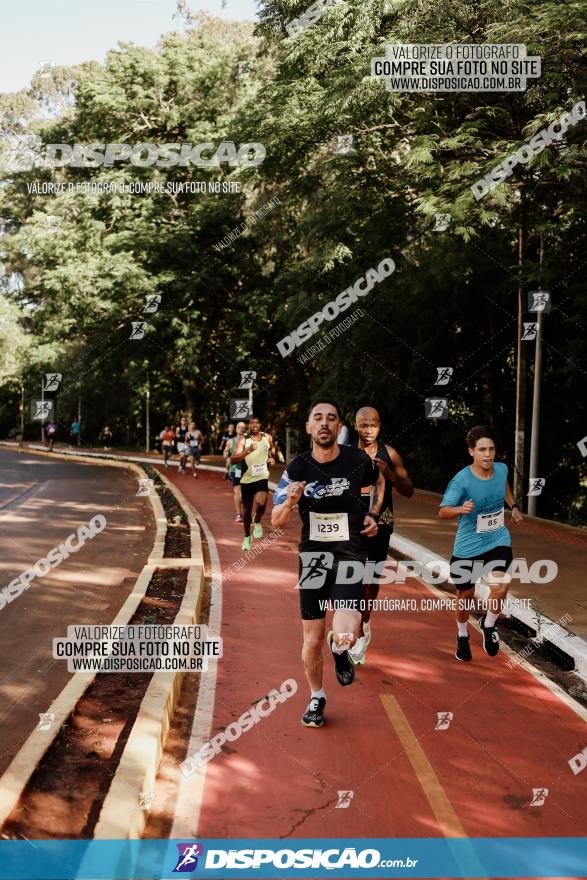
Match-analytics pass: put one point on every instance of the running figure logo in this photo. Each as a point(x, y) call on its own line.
point(46, 68)
point(344, 800)
point(536, 486)
point(315, 567)
point(343, 144)
point(52, 381)
point(539, 795)
point(436, 408)
point(444, 375)
point(539, 301)
point(46, 719)
point(444, 719)
point(24, 152)
point(441, 222)
point(41, 410)
point(146, 799)
point(152, 303)
point(138, 329)
point(187, 860)
point(239, 409)
point(52, 222)
point(145, 486)
point(247, 379)
point(530, 331)
point(244, 69)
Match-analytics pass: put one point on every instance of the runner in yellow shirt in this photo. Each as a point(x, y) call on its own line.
point(256, 450)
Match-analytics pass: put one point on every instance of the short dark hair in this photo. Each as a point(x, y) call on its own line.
point(328, 400)
point(476, 433)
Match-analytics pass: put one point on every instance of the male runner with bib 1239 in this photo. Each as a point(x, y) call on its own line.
point(483, 546)
point(325, 484)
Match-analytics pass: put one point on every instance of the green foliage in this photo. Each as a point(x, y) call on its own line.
point(452, 299)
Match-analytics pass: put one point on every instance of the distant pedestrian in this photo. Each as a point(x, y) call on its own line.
point(194, 439)
point(50, 432)
point(167, 438)
point(182, 447)
point(228, 435)
point(75, 432)
point(106, 437)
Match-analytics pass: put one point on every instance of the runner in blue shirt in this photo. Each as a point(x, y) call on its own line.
point(482, 547)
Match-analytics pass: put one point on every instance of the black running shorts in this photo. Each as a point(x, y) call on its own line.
point(465, 577)
point(377, 547)
point(249, 490)
point(318, 584)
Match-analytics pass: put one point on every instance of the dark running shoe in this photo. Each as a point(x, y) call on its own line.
point(314, 714)
point(343, 665)
point(490, 638)
point(463, 651)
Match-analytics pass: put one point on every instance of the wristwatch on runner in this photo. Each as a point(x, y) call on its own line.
point(373, 515)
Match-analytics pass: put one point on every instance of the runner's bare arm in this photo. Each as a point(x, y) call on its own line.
point(271, 459)
point(400, 477)
point(451, 512)
point(239, 451)
point(511, 500)
point(370, 526)
point(378, 494)
point(281, 513)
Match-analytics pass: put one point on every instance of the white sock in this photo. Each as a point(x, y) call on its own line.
point(367, 628)
point(490, 618)
point(321, 694)
point(463, 631)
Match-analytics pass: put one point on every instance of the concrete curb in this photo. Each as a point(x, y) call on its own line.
point(547, 630)
point(18, 773)
point(121, 815)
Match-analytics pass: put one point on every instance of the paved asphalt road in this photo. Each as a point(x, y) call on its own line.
point(42, 501)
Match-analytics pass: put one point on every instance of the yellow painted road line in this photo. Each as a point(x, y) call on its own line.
point(442, 808)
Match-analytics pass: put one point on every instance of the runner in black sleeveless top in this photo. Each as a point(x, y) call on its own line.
point(390, 464)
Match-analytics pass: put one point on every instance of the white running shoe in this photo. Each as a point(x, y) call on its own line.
point(359, 649)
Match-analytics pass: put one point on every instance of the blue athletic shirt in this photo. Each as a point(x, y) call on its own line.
point(488, 496)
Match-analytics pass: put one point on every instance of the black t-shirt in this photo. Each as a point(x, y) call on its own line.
point(330, 508)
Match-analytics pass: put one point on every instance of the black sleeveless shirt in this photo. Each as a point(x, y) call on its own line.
point(386, 513)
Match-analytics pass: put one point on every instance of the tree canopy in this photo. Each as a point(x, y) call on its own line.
point(354, 174)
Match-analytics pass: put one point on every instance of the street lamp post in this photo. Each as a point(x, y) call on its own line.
point(534, 439)
point(147, 416)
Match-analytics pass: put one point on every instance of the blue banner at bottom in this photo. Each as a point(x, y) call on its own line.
point(413, 857)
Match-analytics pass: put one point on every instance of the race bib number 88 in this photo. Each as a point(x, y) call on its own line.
point(329, 526)
point(489, 522)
